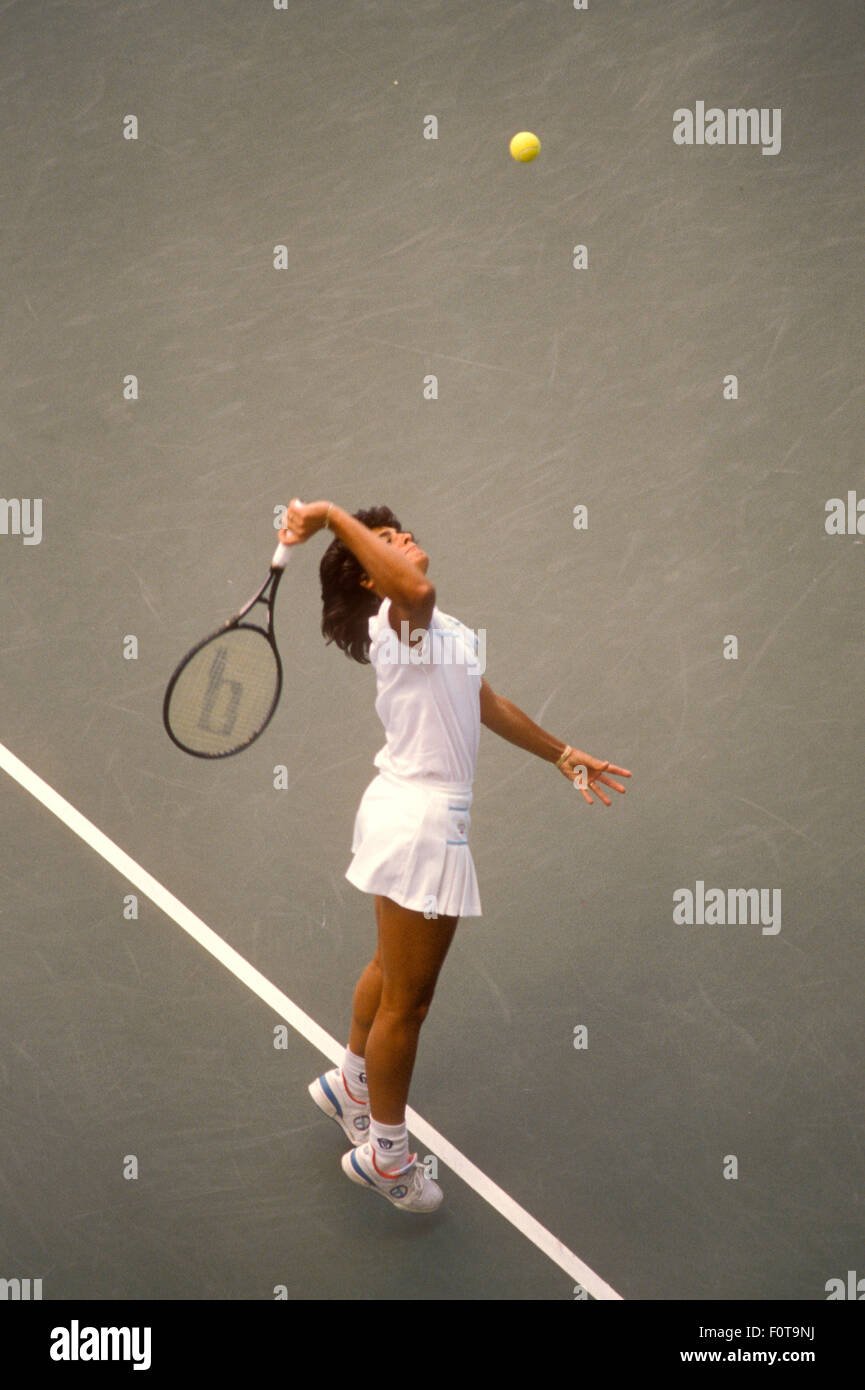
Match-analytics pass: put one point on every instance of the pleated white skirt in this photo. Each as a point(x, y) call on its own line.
point(410, 844)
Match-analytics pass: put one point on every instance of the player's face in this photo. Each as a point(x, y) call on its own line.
point(406, 543)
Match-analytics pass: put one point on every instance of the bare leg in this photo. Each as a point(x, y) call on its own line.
point(411, 951)
point(366, 1000)
point(367, 994)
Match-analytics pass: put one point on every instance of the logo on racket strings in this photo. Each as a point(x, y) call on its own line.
point(216, 680)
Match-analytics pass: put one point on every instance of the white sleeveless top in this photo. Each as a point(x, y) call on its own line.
point(428, 698)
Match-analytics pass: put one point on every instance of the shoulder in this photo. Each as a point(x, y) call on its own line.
point(385, 639)
point(447, 623)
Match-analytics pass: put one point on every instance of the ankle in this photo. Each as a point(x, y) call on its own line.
point(389, 1145)
point(354, 1077)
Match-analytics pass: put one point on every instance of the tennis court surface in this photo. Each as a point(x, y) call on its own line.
point(670, 1106)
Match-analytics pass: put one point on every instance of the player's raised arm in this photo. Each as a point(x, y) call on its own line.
point(392, 560)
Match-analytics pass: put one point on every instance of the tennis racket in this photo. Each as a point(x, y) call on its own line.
point(225, 691)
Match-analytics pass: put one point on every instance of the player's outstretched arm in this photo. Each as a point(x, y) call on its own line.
point(509, 722)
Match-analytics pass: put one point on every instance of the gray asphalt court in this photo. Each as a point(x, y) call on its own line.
point(252, 252)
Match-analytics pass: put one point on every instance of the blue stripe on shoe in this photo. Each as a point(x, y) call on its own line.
point(322, 1081)
point(357, 1168)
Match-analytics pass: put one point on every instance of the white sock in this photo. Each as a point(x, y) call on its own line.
point(389, 1145)
point(354, 1076)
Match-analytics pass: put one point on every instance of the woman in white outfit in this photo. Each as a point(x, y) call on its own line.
point(410, 847)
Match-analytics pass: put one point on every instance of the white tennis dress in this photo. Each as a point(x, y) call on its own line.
point(411, 830)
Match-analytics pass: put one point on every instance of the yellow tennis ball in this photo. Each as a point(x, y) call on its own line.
point(525, 146)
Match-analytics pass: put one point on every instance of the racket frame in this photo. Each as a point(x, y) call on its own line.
point(266, 595)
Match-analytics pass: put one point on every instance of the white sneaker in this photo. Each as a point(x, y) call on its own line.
point(330, 1095)
point(408, 1188)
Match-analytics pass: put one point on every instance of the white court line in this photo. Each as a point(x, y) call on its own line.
point(301, 1022)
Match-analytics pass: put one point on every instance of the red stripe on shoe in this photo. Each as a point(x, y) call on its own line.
point(394, 1172)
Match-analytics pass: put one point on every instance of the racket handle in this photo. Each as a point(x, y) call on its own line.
point(282, 554)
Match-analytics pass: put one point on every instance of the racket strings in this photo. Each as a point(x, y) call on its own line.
point(225, 693)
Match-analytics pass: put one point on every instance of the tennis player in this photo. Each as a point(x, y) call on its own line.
point(410, 848)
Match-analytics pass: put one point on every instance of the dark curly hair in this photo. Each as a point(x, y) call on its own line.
point(347, 606)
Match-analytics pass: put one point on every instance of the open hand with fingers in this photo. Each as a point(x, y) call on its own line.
point(586, 773)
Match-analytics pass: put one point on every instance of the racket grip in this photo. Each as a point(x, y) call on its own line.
point(282, 554)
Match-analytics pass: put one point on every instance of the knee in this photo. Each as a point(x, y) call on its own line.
point(407, 1009)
